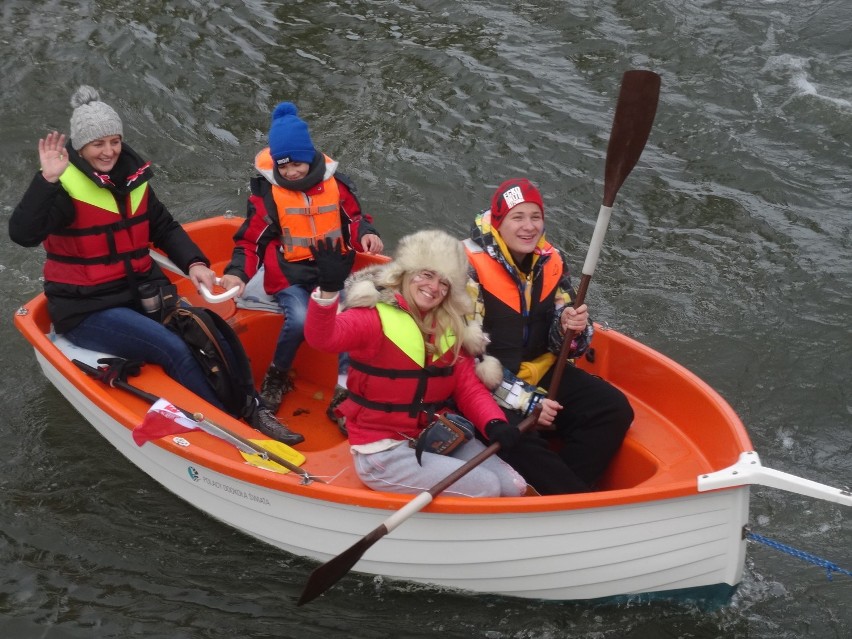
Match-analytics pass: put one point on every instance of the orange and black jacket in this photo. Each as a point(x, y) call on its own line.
point(520, 308)
point(262, 241)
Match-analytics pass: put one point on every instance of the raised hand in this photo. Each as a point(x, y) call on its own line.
point(52, 156)
point(334, 265)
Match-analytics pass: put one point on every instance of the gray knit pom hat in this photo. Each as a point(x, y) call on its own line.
point(92, 119)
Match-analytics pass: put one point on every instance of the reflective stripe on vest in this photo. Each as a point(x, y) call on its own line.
point(304, 219)
point(100, 244)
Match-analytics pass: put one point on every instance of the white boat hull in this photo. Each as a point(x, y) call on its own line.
point(655, 546)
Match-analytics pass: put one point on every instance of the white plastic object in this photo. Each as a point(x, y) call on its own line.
point(213, 298)
point(749, 471)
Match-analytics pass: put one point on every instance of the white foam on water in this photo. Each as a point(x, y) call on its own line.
point(796, 69)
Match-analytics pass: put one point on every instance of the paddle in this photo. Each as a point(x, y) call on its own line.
point(634, 115)
point(631, 125)
point(204, 424)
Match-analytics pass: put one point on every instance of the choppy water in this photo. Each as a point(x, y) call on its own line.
point(729, 250)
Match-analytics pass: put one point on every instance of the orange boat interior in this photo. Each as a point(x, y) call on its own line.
point(682, 427)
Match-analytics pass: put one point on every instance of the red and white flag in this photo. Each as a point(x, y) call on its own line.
point(162, 419)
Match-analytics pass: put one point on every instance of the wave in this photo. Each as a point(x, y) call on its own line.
point(795, 70)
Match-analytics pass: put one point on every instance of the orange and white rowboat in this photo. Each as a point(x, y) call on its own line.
point(669, 519)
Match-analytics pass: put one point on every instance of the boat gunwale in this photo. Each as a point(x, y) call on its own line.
point(32, 318)
point(124, 413)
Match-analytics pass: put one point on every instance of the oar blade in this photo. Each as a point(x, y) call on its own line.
point(634, 116)
point(332, 571)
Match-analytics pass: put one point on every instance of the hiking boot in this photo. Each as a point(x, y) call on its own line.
point(267, 423)
point(340, 393)
point(276, 384)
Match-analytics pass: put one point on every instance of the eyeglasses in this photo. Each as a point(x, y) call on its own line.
point(431, 278)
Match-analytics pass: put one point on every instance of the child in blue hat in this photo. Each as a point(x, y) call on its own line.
point(297, 199)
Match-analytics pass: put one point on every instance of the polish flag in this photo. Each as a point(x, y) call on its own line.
point(162, 419)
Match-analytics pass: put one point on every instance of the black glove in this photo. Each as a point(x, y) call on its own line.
point(334, 265)
point(118, 369)
point(499, 431)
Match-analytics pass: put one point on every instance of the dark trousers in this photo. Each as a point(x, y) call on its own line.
point(592, 424)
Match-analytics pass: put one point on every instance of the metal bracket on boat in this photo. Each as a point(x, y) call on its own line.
point(749, 471)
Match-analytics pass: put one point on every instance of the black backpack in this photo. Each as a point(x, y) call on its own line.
point(218, 350)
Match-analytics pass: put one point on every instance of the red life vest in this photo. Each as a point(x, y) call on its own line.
point(107, 237)
point(398, 390)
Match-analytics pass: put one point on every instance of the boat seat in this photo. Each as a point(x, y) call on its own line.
point(255, 298)
point(653, 452)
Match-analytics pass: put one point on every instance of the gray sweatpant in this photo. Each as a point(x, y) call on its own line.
point(396, 470)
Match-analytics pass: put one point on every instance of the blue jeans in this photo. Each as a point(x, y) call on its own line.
point(294, 302)
point(126, 333)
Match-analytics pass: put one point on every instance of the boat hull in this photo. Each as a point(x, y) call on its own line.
point(648, 547)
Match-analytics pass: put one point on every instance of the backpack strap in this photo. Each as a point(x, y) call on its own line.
point(218, 350)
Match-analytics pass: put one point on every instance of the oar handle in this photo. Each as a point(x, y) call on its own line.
point(594, 252)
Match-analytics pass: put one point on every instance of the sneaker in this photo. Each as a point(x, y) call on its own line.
point(340, 393)
point(276, 384)
point(267, 423)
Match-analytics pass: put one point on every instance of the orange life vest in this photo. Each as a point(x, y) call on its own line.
point(305, 219)
point(517, 312)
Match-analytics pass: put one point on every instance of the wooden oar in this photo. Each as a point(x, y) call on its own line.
point(634, 115)
point(204, 424)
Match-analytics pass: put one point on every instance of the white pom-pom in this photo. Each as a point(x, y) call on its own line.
point(490, 372)
point(84, 95)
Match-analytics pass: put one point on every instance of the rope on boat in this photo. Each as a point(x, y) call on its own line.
point(801, 554)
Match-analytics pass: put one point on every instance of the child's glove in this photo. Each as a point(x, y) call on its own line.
point(333, 263)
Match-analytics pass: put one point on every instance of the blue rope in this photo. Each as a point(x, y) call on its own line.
point(806, 556)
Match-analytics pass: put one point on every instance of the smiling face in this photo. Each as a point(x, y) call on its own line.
point(427, 290)
point(102, 154)
point(293, 170)
point(521, 229)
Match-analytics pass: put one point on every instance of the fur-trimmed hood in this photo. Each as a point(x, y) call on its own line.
point(374, 284)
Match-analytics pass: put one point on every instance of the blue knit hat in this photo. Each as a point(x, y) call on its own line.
point(289, 140)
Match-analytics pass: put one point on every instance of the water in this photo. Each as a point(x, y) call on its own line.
point(729, 250)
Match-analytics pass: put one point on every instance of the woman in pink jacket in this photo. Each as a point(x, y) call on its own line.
point(414, 368)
